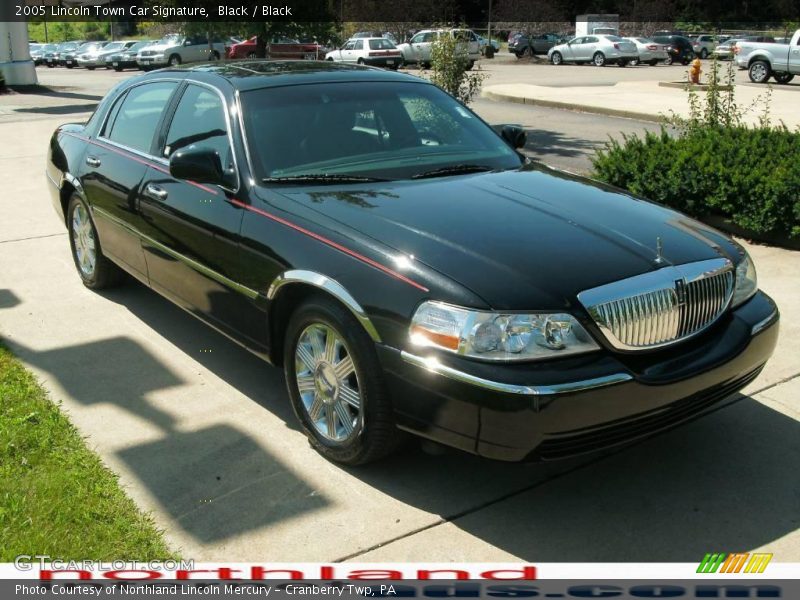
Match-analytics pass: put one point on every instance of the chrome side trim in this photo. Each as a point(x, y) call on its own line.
point(197, 266)
point(74, 181)
point(434, 366)
point(333, 287)
point(764, 323)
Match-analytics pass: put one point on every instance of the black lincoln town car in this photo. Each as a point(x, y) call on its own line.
point(408, 268)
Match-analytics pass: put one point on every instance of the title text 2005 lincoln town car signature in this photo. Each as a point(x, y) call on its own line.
point(406, 266)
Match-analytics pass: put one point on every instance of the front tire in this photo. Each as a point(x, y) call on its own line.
point(759, 71)
point(174, 60)
point(669, 60)
point(653, 63)
point(336, 384)
point(556, 58)
point(599, 59)
point(634, 62)
point(622, 63)
point(95, 270)
point(704, 54)
point(470, 65)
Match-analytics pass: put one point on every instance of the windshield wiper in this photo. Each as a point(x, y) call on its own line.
point(321, 178)
point(452, 170)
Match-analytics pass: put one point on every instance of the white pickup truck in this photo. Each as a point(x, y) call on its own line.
point(764, 60)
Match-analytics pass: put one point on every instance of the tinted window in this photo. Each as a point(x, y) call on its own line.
point(199, 121)
point(385, 130)
point(135, 122)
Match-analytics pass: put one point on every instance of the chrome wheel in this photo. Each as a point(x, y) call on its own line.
point(83, 236)
point(326, 379)
point(759, 72)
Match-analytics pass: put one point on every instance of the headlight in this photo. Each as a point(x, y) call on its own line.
point(498, 336)
point(746, 282)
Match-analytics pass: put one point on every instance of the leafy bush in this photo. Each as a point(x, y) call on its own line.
point(711, 163)
point(750, 175)
point(450, 65)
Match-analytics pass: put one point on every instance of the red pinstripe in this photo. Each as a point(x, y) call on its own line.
point(331, 243)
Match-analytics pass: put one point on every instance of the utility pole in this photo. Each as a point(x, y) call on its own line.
point(489, 29)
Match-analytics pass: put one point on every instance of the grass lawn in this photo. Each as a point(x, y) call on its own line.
point(56, 497)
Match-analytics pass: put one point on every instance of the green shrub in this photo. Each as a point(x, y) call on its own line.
point(450, 69)
point(750, 175)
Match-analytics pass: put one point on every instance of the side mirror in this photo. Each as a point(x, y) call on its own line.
point(514, 135)
point(201, 165)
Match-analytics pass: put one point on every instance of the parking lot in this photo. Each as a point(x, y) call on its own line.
point(202, 434)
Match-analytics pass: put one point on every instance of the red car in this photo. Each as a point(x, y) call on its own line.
point(279, 47)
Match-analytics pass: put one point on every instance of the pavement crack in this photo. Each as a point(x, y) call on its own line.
point(776, 384)
point(33, 237)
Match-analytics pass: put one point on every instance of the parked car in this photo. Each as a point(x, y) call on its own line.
point(703, 45)
point(725, 50)
point(407, 268)
point(70, 58)
point(596, 49)
point(768, 59)
point(418, 48)
point(528, 45)
point(679, 48)
point(175, 49)
point(279, 48)
point(376, 52)
point(54, 58)
point(38, 52)
point(96, 56)
point(126, 59)
point(649, 52)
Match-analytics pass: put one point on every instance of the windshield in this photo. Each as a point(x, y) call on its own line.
point(114, 46)
point(139, 46)
point(385, 130)
point(172, 39)
point(68, 46)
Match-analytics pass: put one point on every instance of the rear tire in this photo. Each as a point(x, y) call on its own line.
point(344, 408)
point(759, 71)
point(704, 54)
point(634, 62)
point(669, 60)
point(95, 270)
point(470, 65)
point(783, 78)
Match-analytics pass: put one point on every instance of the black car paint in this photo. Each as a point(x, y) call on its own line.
point(517, 240)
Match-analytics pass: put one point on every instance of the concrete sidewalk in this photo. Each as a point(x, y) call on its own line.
point(202, 434)
point(646, 100)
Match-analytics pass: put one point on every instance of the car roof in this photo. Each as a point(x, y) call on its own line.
point(257, 74)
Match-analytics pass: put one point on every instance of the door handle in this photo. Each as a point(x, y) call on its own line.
point(156, 192)
point(93, 161)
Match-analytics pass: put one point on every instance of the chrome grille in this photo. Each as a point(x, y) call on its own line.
point(148, 53)
point(661, 307)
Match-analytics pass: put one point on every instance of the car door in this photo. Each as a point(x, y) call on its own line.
point(413, 44)
point(346, 53)
point(571, 49)
point(191, 229)
point(358, 51)
point(794, 57)
point(589, 46)
point(115, 165)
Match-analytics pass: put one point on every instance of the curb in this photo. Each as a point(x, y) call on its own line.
point(599, 110)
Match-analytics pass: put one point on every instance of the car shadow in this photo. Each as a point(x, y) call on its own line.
point(725, 482)
point(216, 482)
point(544, 143)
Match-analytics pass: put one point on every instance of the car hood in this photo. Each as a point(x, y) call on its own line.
point(527, 239)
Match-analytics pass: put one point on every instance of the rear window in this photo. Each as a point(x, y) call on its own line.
point(613, 38)
point(381, 44)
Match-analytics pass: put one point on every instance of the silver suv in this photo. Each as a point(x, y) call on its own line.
point(175, 49)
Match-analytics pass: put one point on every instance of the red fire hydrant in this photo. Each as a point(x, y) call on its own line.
point(694, 71)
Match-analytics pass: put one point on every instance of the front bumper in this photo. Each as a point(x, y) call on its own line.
point(561, 408)
point(148, 61)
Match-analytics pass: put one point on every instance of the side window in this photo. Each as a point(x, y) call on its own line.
point(135, 121)
point(200, 121)
point(359, 45)
point(349, 46)
point(417, 38)
point(590, 40)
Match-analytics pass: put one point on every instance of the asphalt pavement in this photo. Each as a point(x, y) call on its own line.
point(202, 434)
